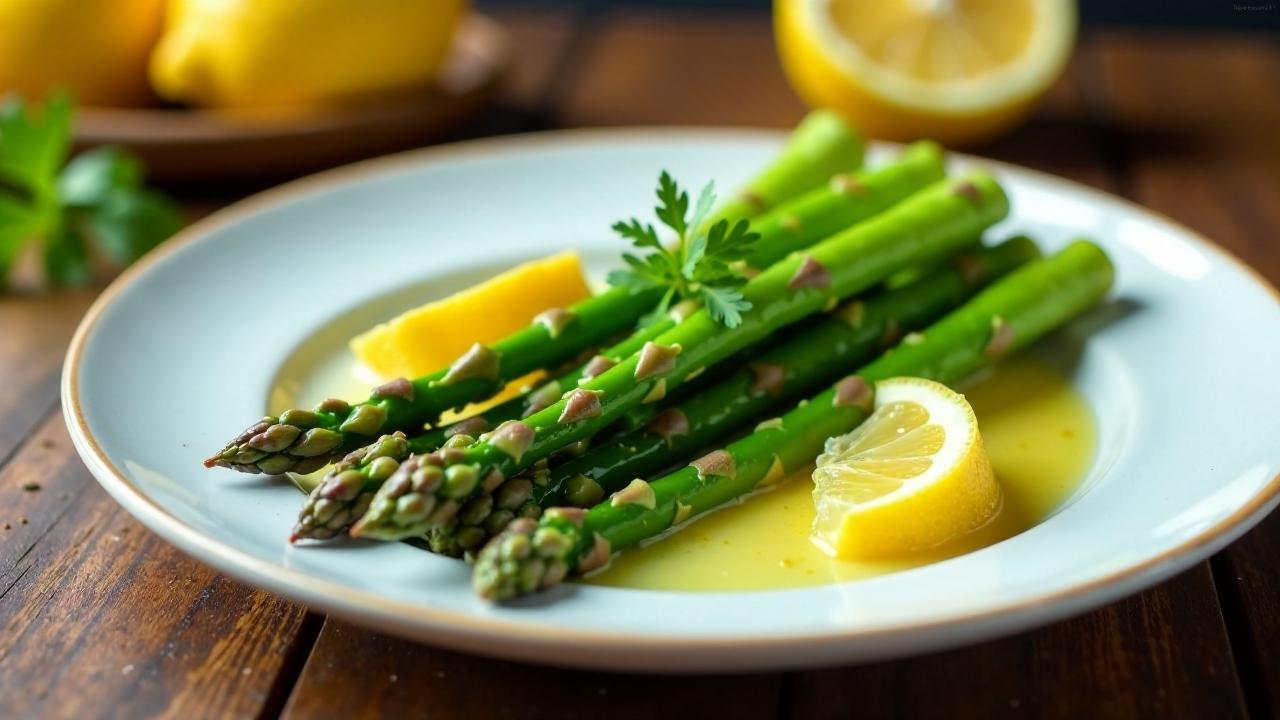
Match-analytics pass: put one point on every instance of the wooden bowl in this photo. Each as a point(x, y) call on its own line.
point(184, 144)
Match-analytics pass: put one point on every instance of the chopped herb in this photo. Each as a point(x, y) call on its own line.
point(699, 266)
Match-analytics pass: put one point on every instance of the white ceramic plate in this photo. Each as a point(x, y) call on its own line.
point(182, 350)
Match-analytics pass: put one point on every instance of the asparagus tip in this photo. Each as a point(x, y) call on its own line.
point(524, 558)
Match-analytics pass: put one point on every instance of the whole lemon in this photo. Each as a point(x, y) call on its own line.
point(97, 49)
point(271, 53)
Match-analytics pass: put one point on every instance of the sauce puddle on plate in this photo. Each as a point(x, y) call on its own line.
point(1038, 431)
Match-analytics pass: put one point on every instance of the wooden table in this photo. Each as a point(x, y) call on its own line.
point(102, 619)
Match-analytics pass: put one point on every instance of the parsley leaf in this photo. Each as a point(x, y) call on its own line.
point(98, 202)
point(699, 265)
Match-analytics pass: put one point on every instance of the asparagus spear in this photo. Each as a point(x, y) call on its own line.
point(532, 555)
point(821, 146)
point(428, 490)
point(302, 440)
point(794, 369)
point(847, 200)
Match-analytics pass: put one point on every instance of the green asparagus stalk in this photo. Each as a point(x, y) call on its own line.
point(821, 146)
point(533, 555)
point(303, 441)
point(794, 369)
point(428, 490)
point(843, 202)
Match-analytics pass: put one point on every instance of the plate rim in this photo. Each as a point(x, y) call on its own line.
point(470, 632)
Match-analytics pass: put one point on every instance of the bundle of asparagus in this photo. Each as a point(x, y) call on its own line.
point(427, 491)
point(897, 245)
point(810, 359)
point(531, 555)
point(345, 493)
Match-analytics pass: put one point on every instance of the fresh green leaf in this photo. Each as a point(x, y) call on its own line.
point(66, 257)
point(93, 177)
point(699, 264)
point(673, 204)
point(706, 199)
point(34, 143)
point(126, 225)
point(725, 304)
point(97, 202)
point(639, 234)
point(18, 224)
point(694, 256)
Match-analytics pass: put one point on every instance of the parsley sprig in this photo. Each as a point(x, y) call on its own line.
point(699, 265)
point(96, 205)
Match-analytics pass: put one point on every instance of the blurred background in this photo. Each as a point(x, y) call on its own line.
point(123, 120)
point(1142, 13)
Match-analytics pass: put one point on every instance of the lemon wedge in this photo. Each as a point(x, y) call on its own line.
point(432, 336)
point(959, 71)
point(913, 476)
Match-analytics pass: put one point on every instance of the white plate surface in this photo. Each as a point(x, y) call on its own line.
point(180, 353)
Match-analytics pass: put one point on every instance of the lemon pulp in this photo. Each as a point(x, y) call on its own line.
point(959, 71)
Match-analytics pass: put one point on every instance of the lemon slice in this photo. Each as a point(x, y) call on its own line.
point(959, 71)
point(914, 475)
point(432, 336)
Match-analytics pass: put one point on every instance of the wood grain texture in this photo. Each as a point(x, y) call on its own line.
point(687, 68)
point(34, 330)
point(1160, 654)
point(103, 619)
point(398, 678)
point(1201, 147)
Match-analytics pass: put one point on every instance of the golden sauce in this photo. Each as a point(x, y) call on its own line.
point(1038, 430)
point(1041, 438)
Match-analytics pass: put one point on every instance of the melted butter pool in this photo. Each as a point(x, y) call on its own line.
point(1039, 433)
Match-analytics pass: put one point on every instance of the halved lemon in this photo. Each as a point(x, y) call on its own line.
point(911, 477)
point(432, 336)
point(958, 71)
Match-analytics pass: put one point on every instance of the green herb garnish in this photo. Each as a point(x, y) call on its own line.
point(699, 265)
point(96, 202)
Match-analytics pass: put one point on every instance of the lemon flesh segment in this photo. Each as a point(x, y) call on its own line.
point(911, 477)
point(959, 71)
point(431, 337)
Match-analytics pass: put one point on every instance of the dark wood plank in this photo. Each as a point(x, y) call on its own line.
point(397, 678)
point(680, 68)
point(34, 330)
point(1195, 119)
point(104, 619)
point(1159, 654)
